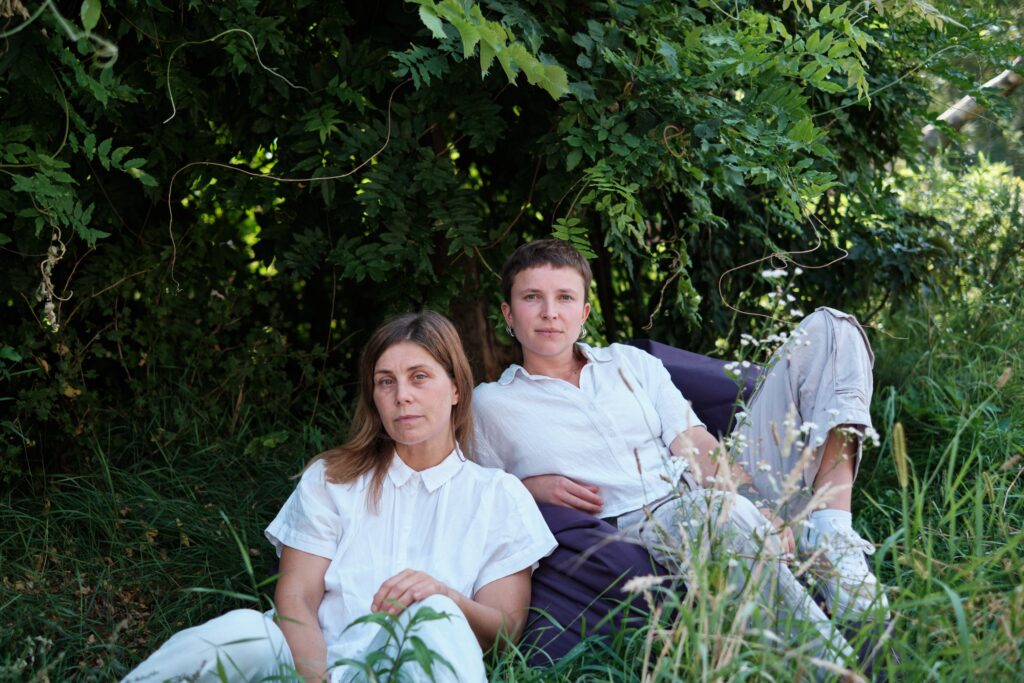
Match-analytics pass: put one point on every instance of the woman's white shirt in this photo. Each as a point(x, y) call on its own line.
point(612, 431)
point(463, 524)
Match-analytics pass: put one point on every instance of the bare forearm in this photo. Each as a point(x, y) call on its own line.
point(490, 624)
point(298, 621)
point(710, 462)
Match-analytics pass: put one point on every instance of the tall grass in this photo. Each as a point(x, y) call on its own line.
point(97, 571)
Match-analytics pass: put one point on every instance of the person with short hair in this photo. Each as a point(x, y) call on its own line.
point(396, 520)
point(605, 431)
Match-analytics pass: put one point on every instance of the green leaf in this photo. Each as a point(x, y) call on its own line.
point(813, 42)
point(486, 57)
point(118, 154)
point(803, 131)
point(90, 14)
point(572, 160)
point(90, 235)
point(9, 354)
point(582, 91)
point(432, 21)
point(104, 151)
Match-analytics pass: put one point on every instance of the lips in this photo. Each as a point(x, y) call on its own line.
point(549, 332)
point(406, 419)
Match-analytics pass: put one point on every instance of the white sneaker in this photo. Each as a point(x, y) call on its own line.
point(841, 572)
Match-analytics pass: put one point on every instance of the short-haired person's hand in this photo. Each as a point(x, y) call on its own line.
point(555, 489)
point(405, 588)
point(784, 531)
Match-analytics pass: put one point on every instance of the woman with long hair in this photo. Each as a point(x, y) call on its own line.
point(395, 520)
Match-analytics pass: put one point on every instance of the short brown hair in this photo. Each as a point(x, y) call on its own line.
point(550, 252)
point(368, 447)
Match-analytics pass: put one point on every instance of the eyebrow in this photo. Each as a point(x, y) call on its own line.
point(563, 290)
point(386, 371)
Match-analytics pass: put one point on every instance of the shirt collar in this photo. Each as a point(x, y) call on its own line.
point(603, 355)
point(433, 477)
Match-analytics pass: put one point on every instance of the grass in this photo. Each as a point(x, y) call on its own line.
point(97, 569)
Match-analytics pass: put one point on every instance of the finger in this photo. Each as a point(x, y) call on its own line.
point(578, 503)
point(401, 601)
point(394, 602)
point(585, 492)
point(396, 584)
point(425, 590)
point(786, 539)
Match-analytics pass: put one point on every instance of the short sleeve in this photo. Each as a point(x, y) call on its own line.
point(309, 520)
point(519, 538)
point(673, 409)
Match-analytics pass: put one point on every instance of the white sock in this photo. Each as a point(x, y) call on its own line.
point(822, 521)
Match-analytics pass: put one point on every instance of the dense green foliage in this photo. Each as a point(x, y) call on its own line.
point(209, 205)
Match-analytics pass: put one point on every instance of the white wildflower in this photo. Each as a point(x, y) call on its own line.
point(773, 273)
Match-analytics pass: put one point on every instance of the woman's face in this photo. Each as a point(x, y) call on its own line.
point(414, 398)
point(547, 310)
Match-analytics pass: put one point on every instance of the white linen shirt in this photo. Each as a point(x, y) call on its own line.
point(613, 431)
point(463, 524)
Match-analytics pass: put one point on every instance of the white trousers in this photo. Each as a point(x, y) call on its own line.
point(246, 645)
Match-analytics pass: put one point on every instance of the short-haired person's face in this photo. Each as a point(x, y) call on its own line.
point(547, 310)
point(414, 398)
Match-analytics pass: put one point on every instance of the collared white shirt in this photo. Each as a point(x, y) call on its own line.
point(613, 431)
point(463, 524)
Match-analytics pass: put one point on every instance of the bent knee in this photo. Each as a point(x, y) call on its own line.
point(439, 603)
point(841, 330)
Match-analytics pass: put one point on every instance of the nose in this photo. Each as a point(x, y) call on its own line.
point(402, 392)
point(547, 309)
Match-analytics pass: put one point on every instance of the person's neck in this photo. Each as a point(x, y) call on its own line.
point(565, 367)
point(421, 457)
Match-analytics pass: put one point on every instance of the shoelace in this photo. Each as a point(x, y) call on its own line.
point(851, 540)
point(848, 546)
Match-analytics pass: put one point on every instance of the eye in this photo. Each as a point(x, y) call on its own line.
point(385, 382)
point(567, 297)
point(530, 297)
point(421, 376)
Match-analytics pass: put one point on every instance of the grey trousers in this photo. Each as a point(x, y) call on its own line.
point(684, 533)
point(820, 378)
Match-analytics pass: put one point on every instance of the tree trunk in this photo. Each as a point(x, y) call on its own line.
point(967, 108)
point(469, 313)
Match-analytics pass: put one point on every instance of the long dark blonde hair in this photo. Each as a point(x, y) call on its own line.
point(368, 447)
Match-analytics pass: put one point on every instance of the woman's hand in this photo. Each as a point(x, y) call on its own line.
point(555, 489)
point(784, 531)
point(405, 588)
